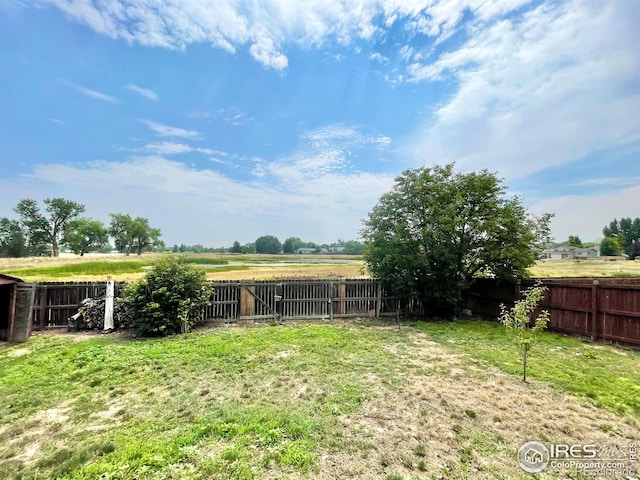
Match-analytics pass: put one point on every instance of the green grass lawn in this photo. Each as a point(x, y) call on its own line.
point(361, 400)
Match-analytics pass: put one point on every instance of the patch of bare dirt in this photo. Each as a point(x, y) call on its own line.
point(18, 352)
point(456, 420)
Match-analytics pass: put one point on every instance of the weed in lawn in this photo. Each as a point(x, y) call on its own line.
point(407, 462)
point(393, 476)
point(470, 413)
point(420, 451)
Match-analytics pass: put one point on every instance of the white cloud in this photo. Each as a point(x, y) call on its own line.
point(91, 93)
point(378, 57)
point(168, 131)
point(56, 120)
point(145, 92)
point(541, 90)
point(314, 193)
point(202, 206)
point(407, 53)
point(267, 26)
point(264, 51)
point(172, 148)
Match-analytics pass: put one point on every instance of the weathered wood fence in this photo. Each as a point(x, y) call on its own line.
point(602, 309)
point(607, 309)
point(239, 301)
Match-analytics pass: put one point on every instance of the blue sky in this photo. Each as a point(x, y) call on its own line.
point(225, 120)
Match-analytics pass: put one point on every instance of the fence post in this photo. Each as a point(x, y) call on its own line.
point(108, 306)
point(342, 294)
point(594, 310)
point(43, 307)
point(378, 299)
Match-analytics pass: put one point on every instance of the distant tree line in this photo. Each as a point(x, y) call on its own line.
point(38, 232)
point(269, 244)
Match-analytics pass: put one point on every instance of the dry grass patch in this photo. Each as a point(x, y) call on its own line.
point(462, 421)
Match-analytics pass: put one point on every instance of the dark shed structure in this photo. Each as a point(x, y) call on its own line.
point(16, 300)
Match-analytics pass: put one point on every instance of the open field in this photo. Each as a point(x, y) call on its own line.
point(219, 267)
point(96, 267)
point(359, 400)
point(586, 268)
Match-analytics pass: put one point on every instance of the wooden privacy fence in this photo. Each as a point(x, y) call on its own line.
point(605, 308)
point(55, 302)
point(232, 301)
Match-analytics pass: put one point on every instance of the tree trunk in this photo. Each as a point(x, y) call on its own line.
point(525, 354)
point(54, 247)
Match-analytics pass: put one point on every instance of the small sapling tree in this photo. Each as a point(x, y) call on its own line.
point(524, 332)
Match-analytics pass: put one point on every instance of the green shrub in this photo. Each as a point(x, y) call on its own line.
point(169, 299)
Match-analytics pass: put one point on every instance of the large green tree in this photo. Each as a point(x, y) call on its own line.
point(249, 248)
point(133, 234)
point(291, 244)
point(353, 247)
point(49, 226)
point(84, 235)
point(268, 244)
point(574, 241)
point(627, 231)
point(12, 240)
point(437, 230)
point(610, 246)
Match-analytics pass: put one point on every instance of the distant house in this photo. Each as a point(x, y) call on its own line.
point(590, 252)
point(562, 253)
point(305, 251)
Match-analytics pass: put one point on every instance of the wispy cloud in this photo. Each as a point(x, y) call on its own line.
point(91, 93)
point(608, 182)
point(56, 120)
point(172, 148)
point(314, 193)
point(321, 164)
point(320, 207)
point(145, 92)
point(168, 131)
point(269, 28)
point(378, 57)
point(538, 91)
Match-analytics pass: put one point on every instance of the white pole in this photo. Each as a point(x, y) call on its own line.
point(108, 306)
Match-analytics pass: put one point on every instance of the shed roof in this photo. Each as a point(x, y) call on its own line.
point(8, 279)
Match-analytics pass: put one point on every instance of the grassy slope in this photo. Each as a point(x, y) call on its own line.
point(269, 402)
